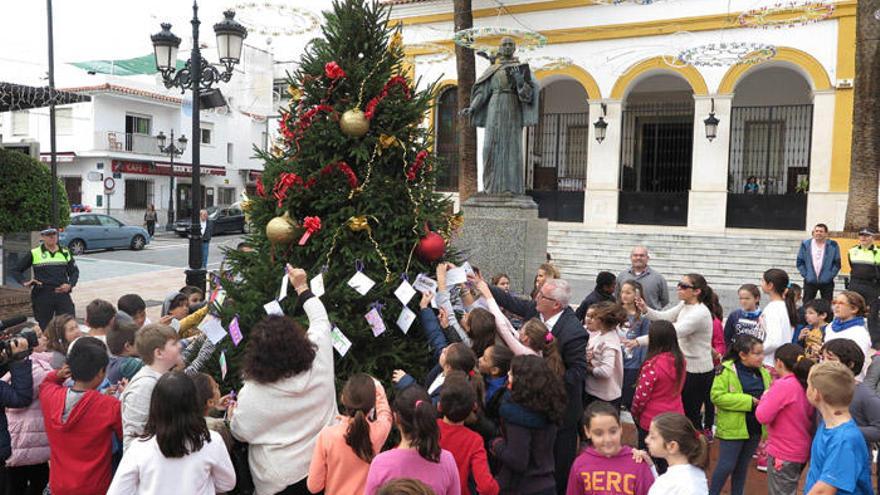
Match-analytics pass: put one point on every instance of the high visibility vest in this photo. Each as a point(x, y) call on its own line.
point(864, 263)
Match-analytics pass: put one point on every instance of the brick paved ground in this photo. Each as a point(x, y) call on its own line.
point(152, 286)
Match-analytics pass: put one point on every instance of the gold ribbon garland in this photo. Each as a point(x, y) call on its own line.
point(359, 224)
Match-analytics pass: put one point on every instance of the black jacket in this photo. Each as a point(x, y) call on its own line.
point(209, 231)
point(591, 299)
point(571, 339)
point(525, 453)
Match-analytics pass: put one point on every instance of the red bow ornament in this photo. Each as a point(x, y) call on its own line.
point(333, 71)
point(312, 225)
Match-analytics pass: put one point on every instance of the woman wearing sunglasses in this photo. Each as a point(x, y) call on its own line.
point(693, 325)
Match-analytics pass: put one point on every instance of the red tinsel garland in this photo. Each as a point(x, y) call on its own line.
point(401, 81)
point(416, 165)
point(302, 124)
point(345, 169)
point(261, 191)
point(285, 181)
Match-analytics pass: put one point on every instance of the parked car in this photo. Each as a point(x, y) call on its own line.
point(227, 220)
point(89, 231)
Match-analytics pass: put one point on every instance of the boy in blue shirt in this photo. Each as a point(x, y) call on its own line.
point(839, 460)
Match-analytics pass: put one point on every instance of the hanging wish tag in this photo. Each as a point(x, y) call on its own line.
point(406, 319)
point(213, 329)
point(425, 284)
point(284, 283)
point(235, 331)
point(455, 277)
point(376, 323)
point(316, 285)
point(360, 282)
point(223, 368)
point(175, 324)
point(405, 292)
point(468, 269)
point(273, 308)
point(340, 341)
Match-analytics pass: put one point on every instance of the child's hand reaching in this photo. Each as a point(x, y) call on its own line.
point(226, 402)
point(426, 299)
point(444, 318)
point(397, 375)
point(641, 456)
point(63, 373)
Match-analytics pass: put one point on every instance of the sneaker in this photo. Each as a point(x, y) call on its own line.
point(708, 434)
point(761, 464)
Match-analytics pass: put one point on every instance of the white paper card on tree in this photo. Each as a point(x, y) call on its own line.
point(317, 285)
point(213, 329)
point(273, 308)
point(406, 319)
point(468, 269)
point(340, 341)
point(405, 292)
point(223, 367)
point(284, 284)
point(174, 323)
point(361, 283)
point(455, 277)
point(375, 321)
point(425, 283)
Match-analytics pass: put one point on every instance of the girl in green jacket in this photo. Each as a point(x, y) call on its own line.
point(739, 382)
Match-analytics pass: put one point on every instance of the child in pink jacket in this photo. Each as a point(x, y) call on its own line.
point(789, 418)
point(28, 467)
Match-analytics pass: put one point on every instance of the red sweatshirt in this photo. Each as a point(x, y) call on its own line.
point(657, 390)
point(80, 447)
point(467, 448)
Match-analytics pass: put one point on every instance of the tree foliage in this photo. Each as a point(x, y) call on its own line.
point(26, 194)
point(398, 208)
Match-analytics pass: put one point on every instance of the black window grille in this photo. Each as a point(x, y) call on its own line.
point(657, 147)
point(138, 194)
point(770, 149)
point(446, 141)
point(556, 152)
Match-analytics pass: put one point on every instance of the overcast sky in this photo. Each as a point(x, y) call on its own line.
point(115, 29)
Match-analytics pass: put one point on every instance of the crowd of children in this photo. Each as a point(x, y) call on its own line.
point(524, 398)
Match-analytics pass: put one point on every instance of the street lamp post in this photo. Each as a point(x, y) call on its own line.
point(171, 150)
point(198, 76)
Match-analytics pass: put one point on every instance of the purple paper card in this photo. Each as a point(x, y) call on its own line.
point(235, 331)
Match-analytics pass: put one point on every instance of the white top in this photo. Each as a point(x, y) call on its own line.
point(777, 329)
point(552, 321)
point(144, 470)
point(281, 420)
point(693, 324)
point(606, 379)
point(860, 336)
point(684, 479)
point(135, 401)
point(508, 334)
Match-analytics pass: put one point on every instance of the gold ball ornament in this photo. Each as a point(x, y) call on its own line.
point(281, 230)
point(357, 224)
point(354, 123)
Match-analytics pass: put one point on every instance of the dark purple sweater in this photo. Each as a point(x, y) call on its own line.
point(525, 452)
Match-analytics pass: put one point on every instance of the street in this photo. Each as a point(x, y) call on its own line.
point(152, 273)
point(164, 251)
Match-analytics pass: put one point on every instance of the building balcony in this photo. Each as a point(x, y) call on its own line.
point(127, 142)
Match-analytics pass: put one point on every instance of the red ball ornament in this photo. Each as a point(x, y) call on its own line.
point(431, 248)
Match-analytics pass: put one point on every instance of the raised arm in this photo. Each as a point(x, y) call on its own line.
point(521, 307)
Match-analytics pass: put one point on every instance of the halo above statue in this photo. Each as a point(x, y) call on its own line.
point(545, 62)
point(275, 19)
point(726, 53)
point(786, 14)
point(487, 38)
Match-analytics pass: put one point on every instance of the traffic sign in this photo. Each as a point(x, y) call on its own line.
point(109, 184)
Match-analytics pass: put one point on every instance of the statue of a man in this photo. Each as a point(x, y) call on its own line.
point(503, 101)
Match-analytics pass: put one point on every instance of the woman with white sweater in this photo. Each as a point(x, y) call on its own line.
point(288, 396)
point(693, 325)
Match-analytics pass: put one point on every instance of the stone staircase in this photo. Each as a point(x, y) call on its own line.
point(726, 260)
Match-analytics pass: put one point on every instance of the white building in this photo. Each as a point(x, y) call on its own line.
point(114, 136)
point(787, 121)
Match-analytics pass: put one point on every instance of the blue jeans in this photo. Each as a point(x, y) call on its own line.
point(734, 457)
point(205, 247)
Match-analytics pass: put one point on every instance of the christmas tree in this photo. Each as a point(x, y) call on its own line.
point(349, 188)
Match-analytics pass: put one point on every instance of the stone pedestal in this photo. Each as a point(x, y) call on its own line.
point(503, 234)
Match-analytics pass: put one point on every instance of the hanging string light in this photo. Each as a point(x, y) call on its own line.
point(545, 62)
point(486, 38)
point(276, 19)
point(726, 53)
point(786, 14)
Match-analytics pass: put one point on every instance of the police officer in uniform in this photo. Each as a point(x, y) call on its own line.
point(864, 262)
point(55, 275)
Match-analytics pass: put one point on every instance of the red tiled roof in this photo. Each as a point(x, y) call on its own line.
point(115, 88)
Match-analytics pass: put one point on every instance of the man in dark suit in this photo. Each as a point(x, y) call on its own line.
point(551, 305)
point(207, 229)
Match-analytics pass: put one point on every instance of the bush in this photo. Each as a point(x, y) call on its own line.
point(26, 194)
